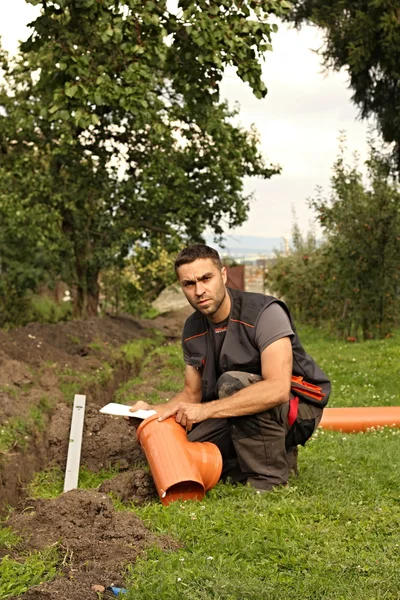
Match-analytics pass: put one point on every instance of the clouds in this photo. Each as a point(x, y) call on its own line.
point(15, 15)
point(299, 122)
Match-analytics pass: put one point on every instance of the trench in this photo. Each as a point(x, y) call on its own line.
point(19, 465)
point(101, 354)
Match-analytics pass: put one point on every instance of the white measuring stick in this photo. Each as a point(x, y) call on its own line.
point(75, 443)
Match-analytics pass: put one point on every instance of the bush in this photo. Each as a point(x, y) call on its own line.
point(44, 309)
point(351, 280)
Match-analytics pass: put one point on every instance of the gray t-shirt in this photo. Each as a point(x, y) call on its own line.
point(273, 325)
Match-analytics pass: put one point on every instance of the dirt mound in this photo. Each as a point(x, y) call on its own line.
point(65, 342)
point(41, 367)
point(170, 323)
point(137, 486)
point(107, 441)
point(96, 541)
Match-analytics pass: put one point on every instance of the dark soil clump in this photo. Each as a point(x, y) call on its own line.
point(137, 486)
point(107, 441)
point(96, 542)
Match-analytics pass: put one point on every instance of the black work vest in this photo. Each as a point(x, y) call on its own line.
point(239, 351)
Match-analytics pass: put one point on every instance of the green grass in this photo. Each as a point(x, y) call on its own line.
point(171, 355)
point(10, 390)
point(14, 432)
point(75, 382)
point(8, 539)
point(50, 483)
point(17, 431)
point(161, 371)
point(169, 382)
point(332, 534)
point(135, 352)
point(365, 374)
point(37, 414)
point(17, 576)
point(124, 391)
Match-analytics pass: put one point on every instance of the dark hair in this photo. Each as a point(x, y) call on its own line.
point(192, 253)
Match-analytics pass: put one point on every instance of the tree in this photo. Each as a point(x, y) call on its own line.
point(115, 107)
point(353, 278)
point(362, 36)
point(300, 278)
point(362, 225)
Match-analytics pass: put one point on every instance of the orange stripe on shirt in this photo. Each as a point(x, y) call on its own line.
point(243, 323)
point(195, 336)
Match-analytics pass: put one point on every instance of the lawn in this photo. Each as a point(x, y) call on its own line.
point(333, 533)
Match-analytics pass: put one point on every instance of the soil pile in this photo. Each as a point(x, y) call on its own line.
point(95, 541)
point(132, 486)
point(107, 441)
point(62, 343)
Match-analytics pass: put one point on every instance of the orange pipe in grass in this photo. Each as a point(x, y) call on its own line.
point(181, 470)
point(356, 419)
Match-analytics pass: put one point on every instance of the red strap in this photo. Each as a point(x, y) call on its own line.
point(293, 410)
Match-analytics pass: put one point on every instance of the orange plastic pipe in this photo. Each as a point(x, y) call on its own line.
point(355, 419)
point(181, 470)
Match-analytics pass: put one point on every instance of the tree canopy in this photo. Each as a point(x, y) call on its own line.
point(362, 36)
point(112, 130)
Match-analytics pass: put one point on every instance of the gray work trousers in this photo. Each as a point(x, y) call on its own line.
point(256, 448)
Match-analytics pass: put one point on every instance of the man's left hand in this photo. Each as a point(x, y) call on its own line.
point(186, 414)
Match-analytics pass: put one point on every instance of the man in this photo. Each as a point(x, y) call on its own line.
point(249, 385)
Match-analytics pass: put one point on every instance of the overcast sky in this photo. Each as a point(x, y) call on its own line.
point(298, 122)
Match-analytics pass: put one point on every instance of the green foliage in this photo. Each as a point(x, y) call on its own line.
point(17, 431)
point(297, 278)
point(8, 539)
point(113, 133)
point(362, 36)
point(45, 310)
point(352, 280)
point(144, 275)
point(16, 577)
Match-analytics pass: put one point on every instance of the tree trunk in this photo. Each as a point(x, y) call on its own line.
point(87, 296)
point(87, 288)
point(93, 290)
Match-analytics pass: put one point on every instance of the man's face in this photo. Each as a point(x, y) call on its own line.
point(203, 284)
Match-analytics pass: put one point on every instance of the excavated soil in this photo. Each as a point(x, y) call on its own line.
point(107, 441)
point(96, 542)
